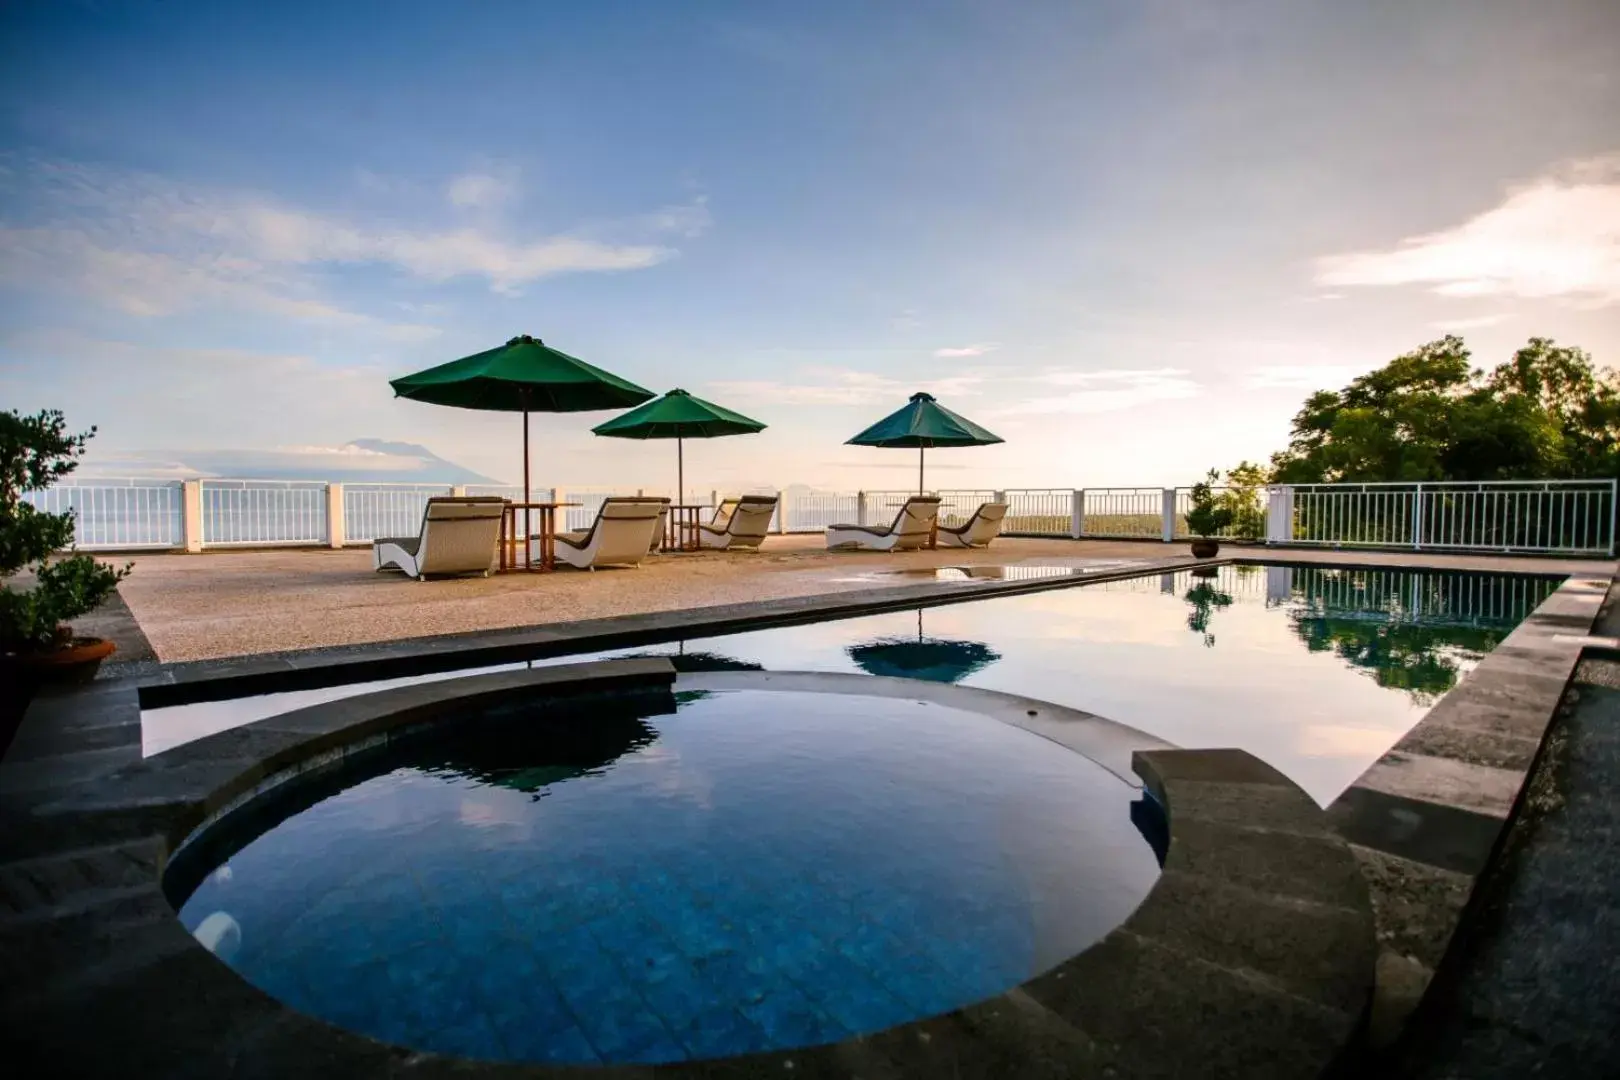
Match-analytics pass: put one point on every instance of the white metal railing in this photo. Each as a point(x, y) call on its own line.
point(812, 511)
point(1040, 512)
point(373, 510)
point(263, 512)
point(1571, 517)
point(125, 513)
point(1544, 517)
point(1124, 512)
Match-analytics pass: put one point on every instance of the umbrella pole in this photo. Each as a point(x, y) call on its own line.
point(680, 471)
point(525, 478)
point(919, 470)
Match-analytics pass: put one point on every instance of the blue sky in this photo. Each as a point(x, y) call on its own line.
point(1128, 236)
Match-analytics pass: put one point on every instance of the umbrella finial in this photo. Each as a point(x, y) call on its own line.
point(677, 391)
point(920, 396)
point(525, 339)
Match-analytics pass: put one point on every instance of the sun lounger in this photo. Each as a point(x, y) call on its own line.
point(908, 531)
point(458, 536)
point(978, 530)
point(622, 534)
point(745, 525)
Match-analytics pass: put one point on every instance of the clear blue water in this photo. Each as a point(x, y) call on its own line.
point(682, 879)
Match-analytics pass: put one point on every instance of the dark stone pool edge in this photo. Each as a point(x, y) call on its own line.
point(1253, 955)
point(1428, 818)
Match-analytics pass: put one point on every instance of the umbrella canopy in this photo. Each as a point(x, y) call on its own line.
point(927, 658)
point(525, 375)
point(933, 659)
point(679, 416)
point(922, 423)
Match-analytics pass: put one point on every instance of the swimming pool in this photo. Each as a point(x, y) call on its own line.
point(1315, 670)
point(701, 875)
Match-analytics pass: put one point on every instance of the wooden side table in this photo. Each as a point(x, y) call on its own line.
point(512, 535)
point(681, 532)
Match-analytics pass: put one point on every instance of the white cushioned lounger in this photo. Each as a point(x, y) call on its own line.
point(458, 536)
point(746, 524)
point(978, 530)
point(908, 531)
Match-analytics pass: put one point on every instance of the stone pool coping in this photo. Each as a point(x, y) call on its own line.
point(1420, 837)
point(1252, 955)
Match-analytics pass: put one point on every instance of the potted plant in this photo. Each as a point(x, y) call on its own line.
point(40, 590)
point(1208, 515)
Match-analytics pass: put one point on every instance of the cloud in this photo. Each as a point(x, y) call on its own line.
point(967, 350)
point(148, 246)
point(906, 320)
point(835, 386)
point(1555, 237)
point(1109, 390)
point(1478, 322)
point(1310, 377)
point(482, 190)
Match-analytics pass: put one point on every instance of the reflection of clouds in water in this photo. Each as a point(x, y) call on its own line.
point(223, 874)
point(479, 814)
point(219, 934)
point(668, 775)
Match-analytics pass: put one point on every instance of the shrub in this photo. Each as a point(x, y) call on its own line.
point(36, 451)
point(1210, 513)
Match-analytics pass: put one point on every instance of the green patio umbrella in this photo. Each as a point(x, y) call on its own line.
point(922, 423)
point(525, 375)
point(679, 416)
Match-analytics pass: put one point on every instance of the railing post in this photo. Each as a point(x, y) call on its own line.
point(1280, 514)
point(1169, 514)
point(781, 513)
point(1612, 514)
point(191, 533)
point(714, 497)
point(1417, 518)
point(860, 508)
point(334, 515)
point(1077, 514)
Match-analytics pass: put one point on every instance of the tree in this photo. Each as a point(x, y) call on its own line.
point(1548, 413)
point(36, 451)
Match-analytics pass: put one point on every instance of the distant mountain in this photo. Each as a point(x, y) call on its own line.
point(359, 461)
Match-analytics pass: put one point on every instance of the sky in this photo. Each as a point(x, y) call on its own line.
point(1129, 236)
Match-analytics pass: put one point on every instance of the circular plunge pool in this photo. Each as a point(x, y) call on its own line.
point(718, 873)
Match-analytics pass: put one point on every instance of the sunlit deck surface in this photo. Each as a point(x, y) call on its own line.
point(235, 603)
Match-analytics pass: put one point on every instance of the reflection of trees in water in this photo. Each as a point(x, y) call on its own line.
point(1205, 599)
point(1411, 632)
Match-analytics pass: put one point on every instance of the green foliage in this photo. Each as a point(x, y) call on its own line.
point(1244, 497)
point(35, 452)
point(1429, 415)
point(1210, 513)
point(1206, 599)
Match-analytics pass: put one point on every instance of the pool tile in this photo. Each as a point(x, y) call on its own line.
point(560, 1045)
point(721, 1033)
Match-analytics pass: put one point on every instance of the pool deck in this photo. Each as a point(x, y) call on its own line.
point(240, 603)
point(1424, 824)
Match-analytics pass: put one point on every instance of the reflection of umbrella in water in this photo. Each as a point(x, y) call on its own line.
point(932, 659)
point(529, 753)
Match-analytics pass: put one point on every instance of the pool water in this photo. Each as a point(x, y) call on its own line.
point(723, 872)
point(1315, 670)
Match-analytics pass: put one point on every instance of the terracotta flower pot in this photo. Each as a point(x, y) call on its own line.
point(1205, 547)
point(77, 661)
